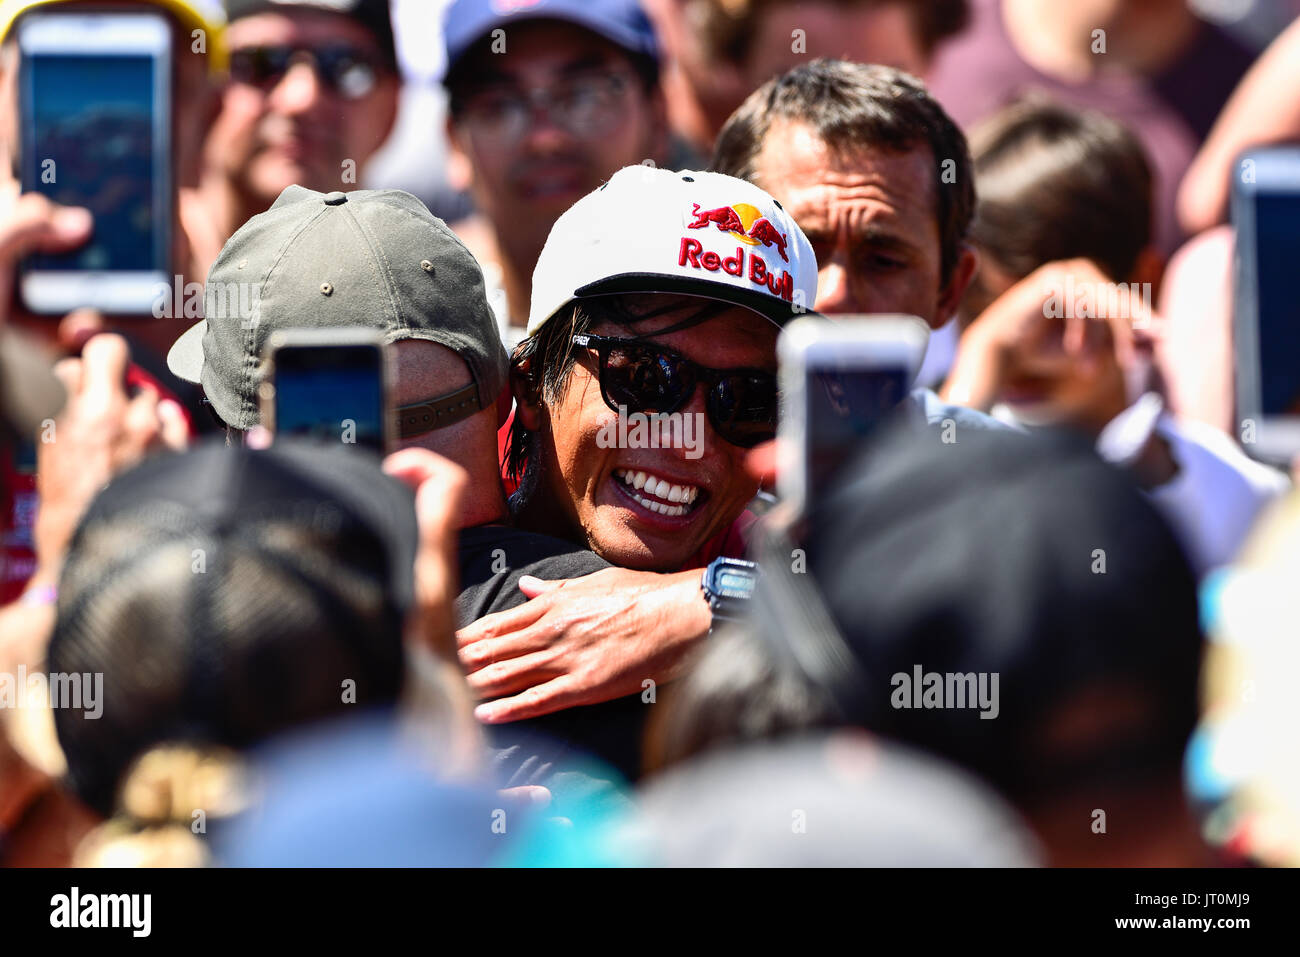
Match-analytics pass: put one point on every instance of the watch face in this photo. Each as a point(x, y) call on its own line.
point(734, 583)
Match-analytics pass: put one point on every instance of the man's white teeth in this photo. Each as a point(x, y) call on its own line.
point(683, 495)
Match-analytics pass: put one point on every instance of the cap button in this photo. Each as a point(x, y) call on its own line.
point(336, 198)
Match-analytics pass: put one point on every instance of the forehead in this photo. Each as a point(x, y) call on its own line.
point(537, 49)
point(307, 27)
point(813, 180)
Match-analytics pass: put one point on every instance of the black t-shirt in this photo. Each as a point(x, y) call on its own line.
point(492, 560)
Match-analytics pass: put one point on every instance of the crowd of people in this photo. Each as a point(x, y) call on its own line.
point(504, 643)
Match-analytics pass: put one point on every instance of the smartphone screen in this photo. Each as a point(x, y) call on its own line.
point(1277, 245)
point(92, 122)
point(331, 393)
point(95, 115)
point(844, 405)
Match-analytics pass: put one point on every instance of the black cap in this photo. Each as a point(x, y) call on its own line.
point(1025, 558)
point(226, 594)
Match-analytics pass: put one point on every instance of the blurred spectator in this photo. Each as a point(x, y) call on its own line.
point(1012, 605)
point(822, 799)
point(717, 52)
point(1241, 764)
point(1196, 353)
point(1264, 108)
point(1071, 343)
point(312, 95)
point(1055, 182)
point(194, 105)
point(292, 569)
point(879, 178)
point(357, 792)
point(595, 65)
point(1151, 64)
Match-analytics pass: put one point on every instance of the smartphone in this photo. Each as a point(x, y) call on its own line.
point(1266, 320)
point(838, 379)
point(330, 385)
point(95, 128)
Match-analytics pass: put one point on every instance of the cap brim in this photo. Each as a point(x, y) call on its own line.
point(776, 310)
point(186, 356)
point(29, 391)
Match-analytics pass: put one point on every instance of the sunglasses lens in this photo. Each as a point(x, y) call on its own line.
point(260, 65)
point(347, 72)
point(644, 381)
point(742, 409)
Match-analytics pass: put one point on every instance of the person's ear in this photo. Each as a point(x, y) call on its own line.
point(524, 383)
point(950, 297)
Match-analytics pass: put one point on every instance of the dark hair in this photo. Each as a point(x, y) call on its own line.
point(853, 106)
point(1056, 182)
point(729, 30)
point(260, 641)
point(734, 690)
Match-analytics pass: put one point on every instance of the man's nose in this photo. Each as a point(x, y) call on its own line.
point(543, 133)
point(299, 91)
point(698, 436)
point(836, 290)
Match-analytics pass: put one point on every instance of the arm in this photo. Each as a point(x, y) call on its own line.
point(582, 641)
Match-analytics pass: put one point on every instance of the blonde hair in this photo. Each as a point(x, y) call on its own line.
point(165, 804)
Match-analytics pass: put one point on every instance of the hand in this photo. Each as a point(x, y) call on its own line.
point(1065, 355)
point(31, 223)
point(101, 432)
point(582, 640)
point(439, 489)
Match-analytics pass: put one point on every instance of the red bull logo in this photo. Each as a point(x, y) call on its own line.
point(744, 222)
point(692, 253)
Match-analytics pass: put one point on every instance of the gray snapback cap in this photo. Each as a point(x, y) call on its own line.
point(374, 258)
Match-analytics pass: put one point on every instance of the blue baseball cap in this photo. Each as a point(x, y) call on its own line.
point(622, 22)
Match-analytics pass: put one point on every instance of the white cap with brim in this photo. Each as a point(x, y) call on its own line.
point(650, 230)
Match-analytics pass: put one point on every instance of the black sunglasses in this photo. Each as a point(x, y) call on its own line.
point(652, 379)
point(344, 70)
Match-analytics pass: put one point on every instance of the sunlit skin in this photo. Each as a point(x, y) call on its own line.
point(583, 500)
point(298, 131)
point(871, 218)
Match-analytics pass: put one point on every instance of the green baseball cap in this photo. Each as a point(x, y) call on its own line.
point(373, 258)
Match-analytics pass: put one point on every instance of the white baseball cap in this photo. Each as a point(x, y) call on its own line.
point(700, 234)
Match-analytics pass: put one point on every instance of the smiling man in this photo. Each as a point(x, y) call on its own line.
point(547, 99)
point(312, 96)
point(659, 293)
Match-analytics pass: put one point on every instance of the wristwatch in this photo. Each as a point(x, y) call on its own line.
point(728, 585)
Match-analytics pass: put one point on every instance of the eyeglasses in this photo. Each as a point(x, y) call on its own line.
point(344, 70)
point(643, 377)
point(586, 104)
